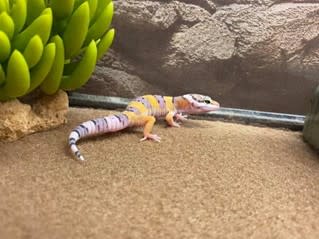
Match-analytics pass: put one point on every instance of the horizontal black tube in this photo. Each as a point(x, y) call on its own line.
point(294, 122)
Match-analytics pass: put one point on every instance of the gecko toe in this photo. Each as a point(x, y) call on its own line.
point(181, 117)
point(175, 124)
point(152, 137)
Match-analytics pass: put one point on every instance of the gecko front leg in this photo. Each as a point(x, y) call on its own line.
point(180, 117)
point(170, 120)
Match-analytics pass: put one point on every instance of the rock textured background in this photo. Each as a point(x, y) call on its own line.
point(254, 54)
point(19, 119)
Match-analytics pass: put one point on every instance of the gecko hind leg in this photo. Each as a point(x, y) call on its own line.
point(149, 122)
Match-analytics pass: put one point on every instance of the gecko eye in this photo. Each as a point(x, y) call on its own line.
point(207, 101)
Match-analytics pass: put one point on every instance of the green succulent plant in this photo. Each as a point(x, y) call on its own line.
point(51, 44)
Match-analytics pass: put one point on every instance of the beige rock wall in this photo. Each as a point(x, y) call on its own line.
point(19, 119)
point(261, 54)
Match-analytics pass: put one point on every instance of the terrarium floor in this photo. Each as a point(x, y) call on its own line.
point(204, 180)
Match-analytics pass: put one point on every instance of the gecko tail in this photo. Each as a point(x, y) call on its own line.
point(93, 127)
point(73, 138)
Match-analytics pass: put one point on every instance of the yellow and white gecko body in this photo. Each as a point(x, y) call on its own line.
point(143, 111)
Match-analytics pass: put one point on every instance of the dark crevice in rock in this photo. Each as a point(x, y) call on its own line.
point(242, 2)
point(147, 42)
point(310, 45)
point(208, 5)
point(181, 22)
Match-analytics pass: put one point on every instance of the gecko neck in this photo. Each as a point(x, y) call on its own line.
point(181, 104)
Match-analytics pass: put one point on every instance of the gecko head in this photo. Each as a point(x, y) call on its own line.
point(200, 103)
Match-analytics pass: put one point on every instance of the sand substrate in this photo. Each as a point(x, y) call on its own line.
point(204, 180)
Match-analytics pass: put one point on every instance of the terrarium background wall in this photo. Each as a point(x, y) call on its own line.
point(261, 55)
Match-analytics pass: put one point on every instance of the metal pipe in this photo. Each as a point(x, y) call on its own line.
point(290, 121)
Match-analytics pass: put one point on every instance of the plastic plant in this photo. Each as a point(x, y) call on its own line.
point(51, 44)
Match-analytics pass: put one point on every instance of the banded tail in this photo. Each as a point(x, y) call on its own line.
point(89, 128)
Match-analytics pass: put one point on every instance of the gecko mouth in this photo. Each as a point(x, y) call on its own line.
point(212, 107)
point(205, 109)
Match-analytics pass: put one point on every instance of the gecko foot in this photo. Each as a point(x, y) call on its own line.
point(174, 124)
point(181, 117)
point(152, 137)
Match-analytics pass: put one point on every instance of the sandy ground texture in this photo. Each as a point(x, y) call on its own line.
point(205, 180)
